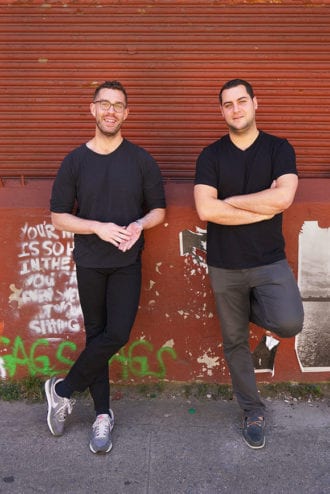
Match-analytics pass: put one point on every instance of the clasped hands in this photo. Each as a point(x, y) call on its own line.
point(123, 237)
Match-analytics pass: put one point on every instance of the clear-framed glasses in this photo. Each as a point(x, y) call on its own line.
point(105, 105)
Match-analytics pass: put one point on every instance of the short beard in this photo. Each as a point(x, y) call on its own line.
point(108, 134)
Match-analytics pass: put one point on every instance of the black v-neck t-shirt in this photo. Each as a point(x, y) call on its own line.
point(232, 171)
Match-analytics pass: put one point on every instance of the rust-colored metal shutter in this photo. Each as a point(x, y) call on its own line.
point(172, 56)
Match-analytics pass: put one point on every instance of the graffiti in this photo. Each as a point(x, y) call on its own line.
point(33, 359)
point(46, 292)
point(138, 365)
point(48, 281)
point(36, 362)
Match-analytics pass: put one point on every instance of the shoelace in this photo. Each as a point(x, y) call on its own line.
point(65, 410)
point(258, 421)
point(101, 426)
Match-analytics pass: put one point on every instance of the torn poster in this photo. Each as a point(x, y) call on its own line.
point(312, 345)
point(264, 355)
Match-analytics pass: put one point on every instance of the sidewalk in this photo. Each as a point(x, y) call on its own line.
point(167, 446)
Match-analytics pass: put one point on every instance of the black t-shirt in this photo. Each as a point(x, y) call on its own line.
point(119, 187)
point(235, 172)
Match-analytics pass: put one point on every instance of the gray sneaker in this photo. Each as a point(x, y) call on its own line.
point(101, 433)
point(58, 408)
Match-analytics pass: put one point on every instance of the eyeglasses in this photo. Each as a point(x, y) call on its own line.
point(105, 105)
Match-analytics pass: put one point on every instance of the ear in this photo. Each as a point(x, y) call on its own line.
point(221, 109)
point(255, 101)
point(126, 113)
point(92, 109)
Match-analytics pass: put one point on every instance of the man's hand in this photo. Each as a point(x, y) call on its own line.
point(112, 233)
point(134, 229)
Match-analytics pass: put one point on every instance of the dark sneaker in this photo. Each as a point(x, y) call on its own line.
point(101, 433)
point(58, 408)
point(254, 431)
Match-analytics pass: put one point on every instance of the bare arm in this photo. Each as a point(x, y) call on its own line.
point(151, 219)
point(210, 208)
point(270, 201)
point(109, 232)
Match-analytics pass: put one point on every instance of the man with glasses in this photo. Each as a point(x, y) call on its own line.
point(106, 192)
point(244, 181)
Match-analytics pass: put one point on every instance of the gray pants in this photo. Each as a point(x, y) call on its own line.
point(267, 296)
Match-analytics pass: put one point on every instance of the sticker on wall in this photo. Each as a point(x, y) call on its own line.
point(194, 244)
point(313, 343)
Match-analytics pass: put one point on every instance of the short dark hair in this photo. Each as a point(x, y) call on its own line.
point(111, 85)
point(235, 83)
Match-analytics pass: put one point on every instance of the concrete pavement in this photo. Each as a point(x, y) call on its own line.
point(167, 445)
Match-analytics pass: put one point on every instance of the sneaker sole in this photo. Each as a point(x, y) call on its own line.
point(101, 451)
point(49, 401)
point(255, 446)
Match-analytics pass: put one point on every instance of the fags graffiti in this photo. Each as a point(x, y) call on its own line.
point(49, 358)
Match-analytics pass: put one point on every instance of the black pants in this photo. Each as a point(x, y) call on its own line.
point(109, 300)
point(267, 296)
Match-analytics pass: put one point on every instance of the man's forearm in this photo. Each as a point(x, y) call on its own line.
point(266, 202)
point(71, 223)
point(220, 212)
point(151, 219)
point(274, 200)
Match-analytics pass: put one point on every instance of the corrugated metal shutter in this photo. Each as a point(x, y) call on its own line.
point(172, 56)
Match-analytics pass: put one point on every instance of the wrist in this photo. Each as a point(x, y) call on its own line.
point(140, 223)
point(94, 227)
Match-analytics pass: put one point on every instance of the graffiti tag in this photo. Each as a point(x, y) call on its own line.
point(36, 362)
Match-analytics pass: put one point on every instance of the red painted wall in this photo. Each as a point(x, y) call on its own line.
point(176, 335)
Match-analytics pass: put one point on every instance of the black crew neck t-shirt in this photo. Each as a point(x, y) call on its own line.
point(119, 187)
point(232, 171)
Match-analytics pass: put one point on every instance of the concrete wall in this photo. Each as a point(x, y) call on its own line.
point(176, 335)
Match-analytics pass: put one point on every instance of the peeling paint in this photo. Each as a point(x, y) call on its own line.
point(209, 362)
point(183, 313)
point(151, 284)
point(3, 373)
point(16, 295)
point(169, 344)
